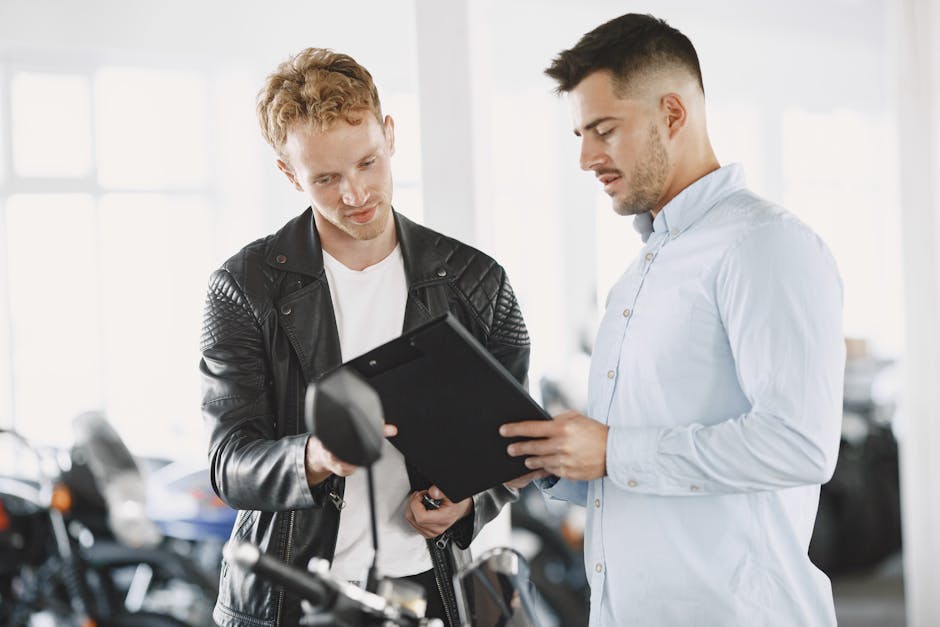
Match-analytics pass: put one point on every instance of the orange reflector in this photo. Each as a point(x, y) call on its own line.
point(61, 498)
point(4, 518)
point(573, 536)
point(88, 623)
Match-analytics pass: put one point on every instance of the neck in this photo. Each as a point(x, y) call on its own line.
point(687, 172)
point(353, 253)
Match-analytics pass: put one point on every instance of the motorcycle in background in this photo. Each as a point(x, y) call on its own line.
point(76, 547)
point(193, 520)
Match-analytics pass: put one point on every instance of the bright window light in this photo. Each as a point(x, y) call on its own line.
point(4, 139)
point(848, 196)
point(152, 129)
point(406, 163)
point(51, 125)
point(154, 272)
point(54, 304)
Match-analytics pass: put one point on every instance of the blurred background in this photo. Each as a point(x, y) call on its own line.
point(131, 166)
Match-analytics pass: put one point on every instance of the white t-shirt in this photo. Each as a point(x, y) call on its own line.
point(370, 310)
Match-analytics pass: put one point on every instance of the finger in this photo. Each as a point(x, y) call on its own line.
point(553, 464)
point(414, 504)
point(528, 429)
point(390, 431)
point(543, 462)
point(435, 492)
point(344, 470)
point(545, 446)
point(521, 482)
point(428, 533)
point(410, 516)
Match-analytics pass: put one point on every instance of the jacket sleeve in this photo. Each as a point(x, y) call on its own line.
point(251, 468)
point(508, 342)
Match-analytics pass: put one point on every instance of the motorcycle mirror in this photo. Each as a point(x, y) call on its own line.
point(345, 413)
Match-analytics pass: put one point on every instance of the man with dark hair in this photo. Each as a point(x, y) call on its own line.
point(716, 378)
point(344, 276)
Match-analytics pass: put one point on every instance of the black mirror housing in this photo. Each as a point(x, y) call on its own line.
point(345, 413)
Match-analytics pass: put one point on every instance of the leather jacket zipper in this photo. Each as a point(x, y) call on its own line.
point(290, 539)
point(447, 594)
point(337, 500)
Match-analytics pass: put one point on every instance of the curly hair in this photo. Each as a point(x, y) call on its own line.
point(315, 86)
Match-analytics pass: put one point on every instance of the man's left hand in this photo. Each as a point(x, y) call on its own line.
point(431, 523)
point(571, 445)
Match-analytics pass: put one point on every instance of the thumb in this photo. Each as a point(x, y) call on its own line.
point(436, 493)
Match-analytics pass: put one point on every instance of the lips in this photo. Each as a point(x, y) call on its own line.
point(608, 180)
point(363, 216)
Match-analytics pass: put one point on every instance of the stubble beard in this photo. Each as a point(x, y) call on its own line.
point(647, 179)
point(364, 232)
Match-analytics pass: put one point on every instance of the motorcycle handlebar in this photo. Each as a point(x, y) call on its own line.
point(325, 592)
point(249, 557)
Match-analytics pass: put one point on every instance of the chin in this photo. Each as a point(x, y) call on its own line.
point(371, 230)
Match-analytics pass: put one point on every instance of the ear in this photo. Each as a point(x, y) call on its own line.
point(286, 169)
point(673, 109)
point(390, 134)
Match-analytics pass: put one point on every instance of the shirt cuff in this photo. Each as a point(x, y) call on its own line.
point(563, 489)
point(631, 458)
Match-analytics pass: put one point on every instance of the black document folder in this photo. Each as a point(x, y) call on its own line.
point(448, 396)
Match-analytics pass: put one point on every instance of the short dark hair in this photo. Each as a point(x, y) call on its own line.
point(627, 46)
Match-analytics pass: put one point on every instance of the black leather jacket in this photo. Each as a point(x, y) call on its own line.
point(269, 329)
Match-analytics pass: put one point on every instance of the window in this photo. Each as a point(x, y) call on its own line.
point(51, 125)
point(122, 189)
point(106, 220)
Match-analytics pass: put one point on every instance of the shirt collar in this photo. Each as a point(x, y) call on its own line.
point(691, 203)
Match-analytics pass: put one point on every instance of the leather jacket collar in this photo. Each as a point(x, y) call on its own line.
point(296, 248)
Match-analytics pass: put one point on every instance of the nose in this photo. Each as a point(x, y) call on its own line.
point(591, 156)
point(354, 192)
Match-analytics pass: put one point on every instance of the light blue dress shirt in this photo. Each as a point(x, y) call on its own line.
point(718, 367)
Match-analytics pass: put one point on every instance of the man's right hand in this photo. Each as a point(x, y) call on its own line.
point(321, 463)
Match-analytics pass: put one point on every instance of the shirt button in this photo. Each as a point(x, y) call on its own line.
point(610, 374)
point(286, 310)
point(281, 259)
point(649, 256)
point(599, 567)
point(632, 483)
point(626, 313)
point(597, 502)
point(694, 488)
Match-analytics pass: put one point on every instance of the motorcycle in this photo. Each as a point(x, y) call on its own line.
point(345, 413)
point(76, 547)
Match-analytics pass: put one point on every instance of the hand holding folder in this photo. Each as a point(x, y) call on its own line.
point(448, 397)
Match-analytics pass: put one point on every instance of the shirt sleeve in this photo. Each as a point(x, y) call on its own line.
point(779, 296)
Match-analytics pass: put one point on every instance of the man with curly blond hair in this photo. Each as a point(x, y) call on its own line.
point(346, 275)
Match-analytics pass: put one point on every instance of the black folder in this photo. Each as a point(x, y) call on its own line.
point(448, 396)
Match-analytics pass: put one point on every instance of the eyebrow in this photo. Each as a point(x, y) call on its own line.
point(594, 123)
point(372, 154)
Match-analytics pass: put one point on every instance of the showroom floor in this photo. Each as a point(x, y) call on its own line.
point(873, 599)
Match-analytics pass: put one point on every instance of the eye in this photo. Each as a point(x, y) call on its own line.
point(368, 162)
point(604, 132)
point(324, 180)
